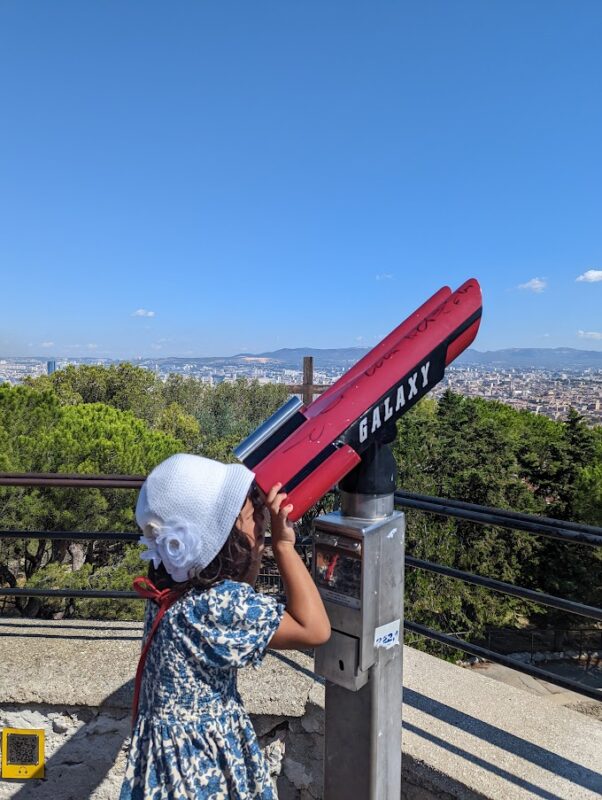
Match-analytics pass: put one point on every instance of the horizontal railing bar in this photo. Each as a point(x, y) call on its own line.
point(564, 524)
point(498, 658)
point(538, 597)
point(552, 531)
point(597, 631)
point(86, 593)
point(66, 480)
point(559, 529)
point(520, 515)
point(82, 593)
point(508, 588)
point(87, 475)
point(118, 536)
point(25, 623)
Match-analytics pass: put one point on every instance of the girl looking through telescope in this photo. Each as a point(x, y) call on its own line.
point(203, 524)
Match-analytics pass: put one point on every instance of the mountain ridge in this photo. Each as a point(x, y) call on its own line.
point(549, 358)
point(554, 358)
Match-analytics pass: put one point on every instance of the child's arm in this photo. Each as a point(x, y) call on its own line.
point(305, 623)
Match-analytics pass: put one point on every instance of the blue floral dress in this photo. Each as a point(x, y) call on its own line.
point(192, 739)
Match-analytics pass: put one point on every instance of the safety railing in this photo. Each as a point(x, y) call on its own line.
point(560, 530)
point(569, 532)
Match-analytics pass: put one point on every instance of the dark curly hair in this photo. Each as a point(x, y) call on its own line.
point(232, 562)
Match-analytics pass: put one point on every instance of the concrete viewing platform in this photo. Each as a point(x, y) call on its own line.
point(465, 735)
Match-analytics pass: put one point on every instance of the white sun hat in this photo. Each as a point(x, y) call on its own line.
point(186, 508)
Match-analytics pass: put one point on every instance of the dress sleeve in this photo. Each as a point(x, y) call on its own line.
point(235, 624)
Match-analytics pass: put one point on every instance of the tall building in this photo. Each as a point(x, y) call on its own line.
point(51, 367)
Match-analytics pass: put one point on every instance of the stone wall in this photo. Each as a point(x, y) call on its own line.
point(86, 751)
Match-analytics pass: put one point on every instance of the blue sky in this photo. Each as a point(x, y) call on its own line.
point(201, 178)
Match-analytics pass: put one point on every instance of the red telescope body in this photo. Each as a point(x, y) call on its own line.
point(311, 448)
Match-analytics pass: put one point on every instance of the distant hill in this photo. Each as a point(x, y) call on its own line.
point(551, 358)
point(558, 358)
point(286, 358)
point(292, 358)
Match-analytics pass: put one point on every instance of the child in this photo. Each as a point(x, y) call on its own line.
point(203, 525)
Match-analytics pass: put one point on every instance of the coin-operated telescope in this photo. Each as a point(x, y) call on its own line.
point(310, 449)
point(358, 552)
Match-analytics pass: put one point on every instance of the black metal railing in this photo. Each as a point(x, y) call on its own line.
point(559, 530)
point(569, 532)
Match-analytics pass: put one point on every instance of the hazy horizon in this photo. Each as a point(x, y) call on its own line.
point(306, 350)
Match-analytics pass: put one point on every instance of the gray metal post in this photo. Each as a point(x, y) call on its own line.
point(359, 570)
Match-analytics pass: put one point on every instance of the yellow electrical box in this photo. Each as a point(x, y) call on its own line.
point(22, 753)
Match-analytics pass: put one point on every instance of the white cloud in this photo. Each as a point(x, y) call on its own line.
point(47, 344)
point(92, 346)
point(590, 335)
point(142, 312)
point(384, 276)
point(534, 285)
point(591, 276)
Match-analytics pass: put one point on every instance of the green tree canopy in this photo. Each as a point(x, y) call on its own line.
point(487, 453)
point(123, 419)
point(39, 434)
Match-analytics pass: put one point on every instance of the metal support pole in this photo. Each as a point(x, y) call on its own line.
point(359, 569)
point(362, 752)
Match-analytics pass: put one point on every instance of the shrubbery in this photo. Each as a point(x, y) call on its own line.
point(116, 577)
point(125, 420)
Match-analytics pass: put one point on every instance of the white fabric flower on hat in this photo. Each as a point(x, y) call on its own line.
point(151, 553)
point(178, 545)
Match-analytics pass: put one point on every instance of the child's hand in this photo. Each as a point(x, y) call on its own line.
point(282, 530)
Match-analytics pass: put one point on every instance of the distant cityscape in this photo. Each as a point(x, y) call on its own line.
point(541, 390)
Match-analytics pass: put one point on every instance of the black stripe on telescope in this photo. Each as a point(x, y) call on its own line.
point(398, 399)
point(309, 468)
point(464, 326)
point(279, 435)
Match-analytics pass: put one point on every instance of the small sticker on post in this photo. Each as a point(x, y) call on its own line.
point(387, 635)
